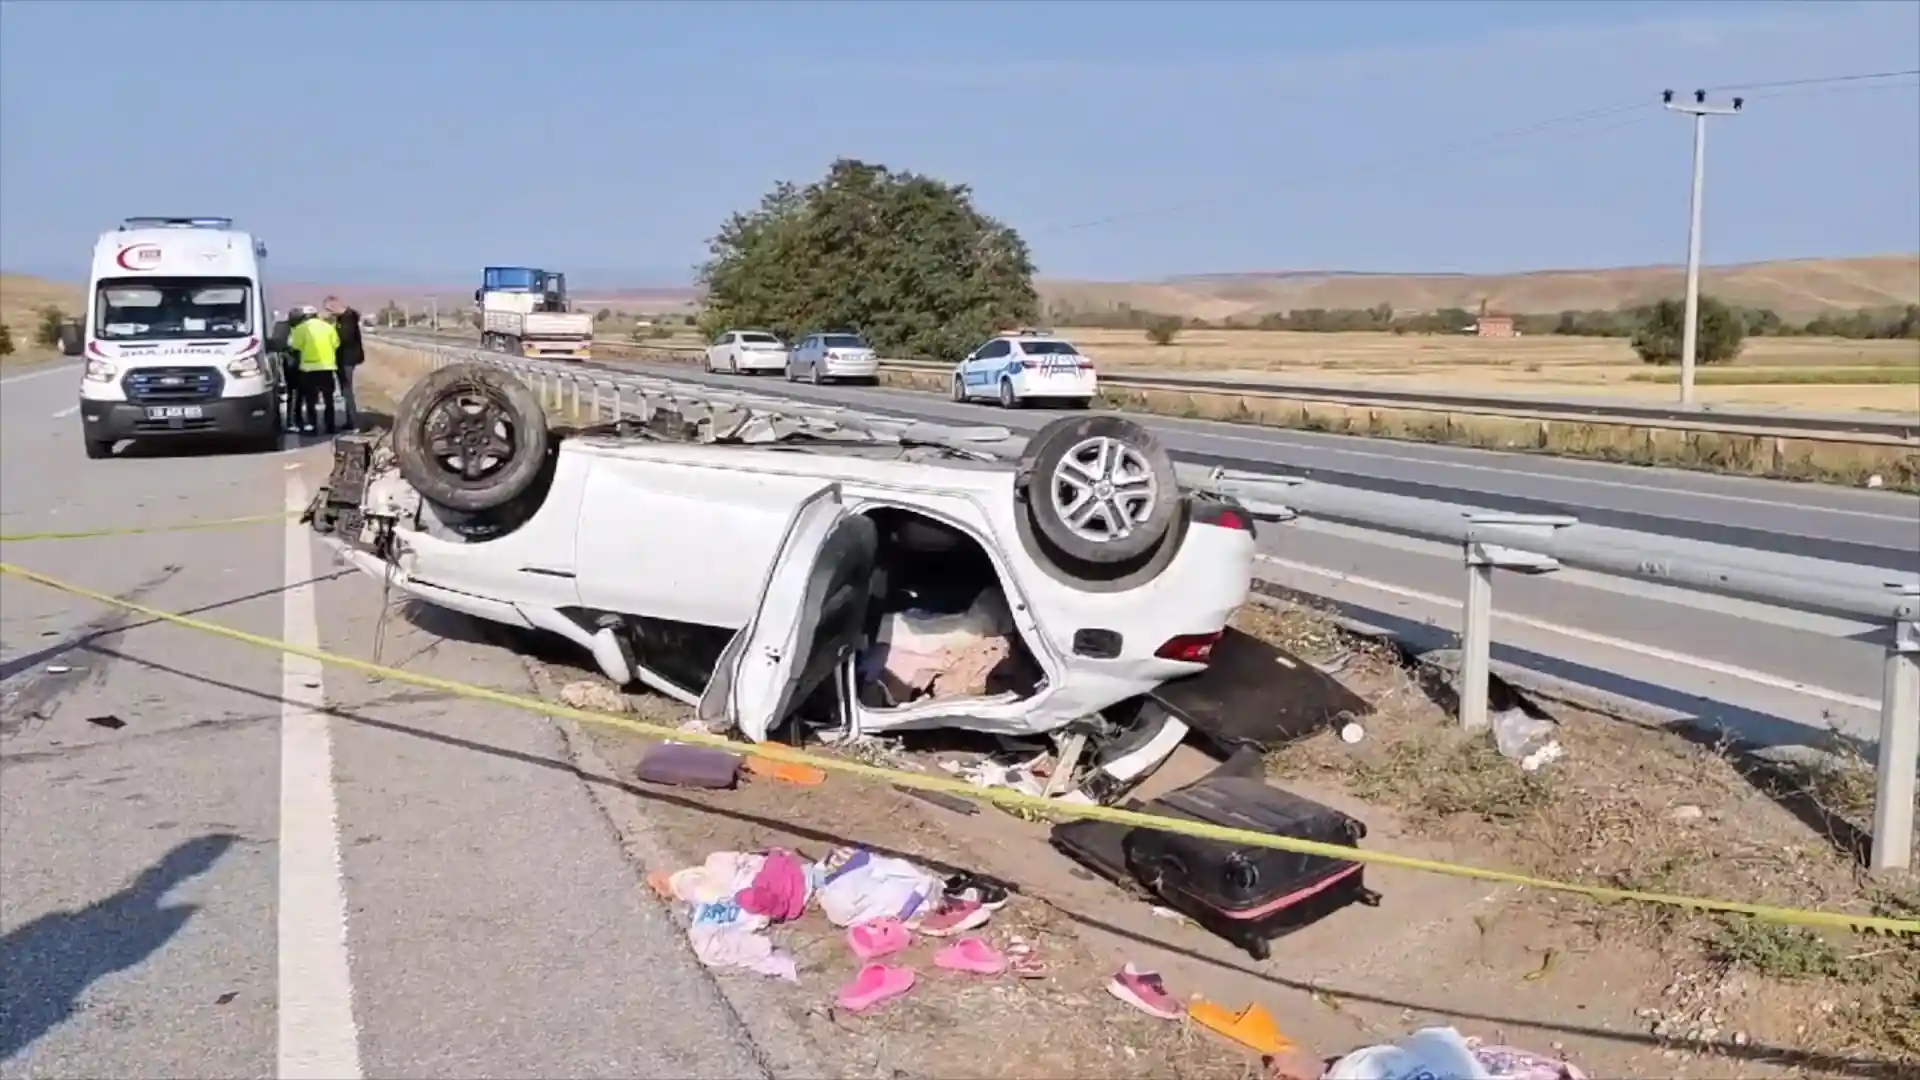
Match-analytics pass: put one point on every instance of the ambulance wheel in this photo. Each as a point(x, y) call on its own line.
point(99, 448)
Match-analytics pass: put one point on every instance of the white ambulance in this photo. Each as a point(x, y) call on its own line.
point(175, 336)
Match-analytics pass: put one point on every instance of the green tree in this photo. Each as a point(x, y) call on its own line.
point(1164, 330)
point(603, 315)
point(1721, 332)
point(47, 333)
point(6, 340)
point(902, 258)
point(391, 314)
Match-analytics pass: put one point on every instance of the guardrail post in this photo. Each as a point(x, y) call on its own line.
point(574, 385)
point(1899, 744)
point(1476, 622)
point(596, 402)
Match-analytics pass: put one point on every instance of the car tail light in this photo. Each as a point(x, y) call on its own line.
point(1190, 648)
point(1086, 365)
point(1029, 364)
point(1221, 515)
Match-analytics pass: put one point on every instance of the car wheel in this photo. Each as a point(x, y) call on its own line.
point(791, 377)
point(470, 437)
point(813, 373)
point(959, 389)
point(99, 448)
point(1008, 399)
point(1099, 489)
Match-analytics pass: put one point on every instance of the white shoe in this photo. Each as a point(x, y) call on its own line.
point(306, 429)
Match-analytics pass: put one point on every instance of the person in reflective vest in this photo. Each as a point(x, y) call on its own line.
point(318, 344)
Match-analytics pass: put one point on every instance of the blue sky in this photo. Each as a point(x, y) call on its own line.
point(416, 142)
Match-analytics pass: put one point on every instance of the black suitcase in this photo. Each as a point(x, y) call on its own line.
point(1246, 894)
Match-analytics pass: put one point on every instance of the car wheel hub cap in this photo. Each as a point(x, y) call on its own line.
point(1104, 489)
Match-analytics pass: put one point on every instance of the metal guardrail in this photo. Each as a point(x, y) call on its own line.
point(1519, 543)
point(1823, 427)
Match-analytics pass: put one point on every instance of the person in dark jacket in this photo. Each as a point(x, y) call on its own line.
point(347, 321)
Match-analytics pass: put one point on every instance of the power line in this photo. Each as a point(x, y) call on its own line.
point(1421, 156)
point(1571, 121)
point(1816, 81)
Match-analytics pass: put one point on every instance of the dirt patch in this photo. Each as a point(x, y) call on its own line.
point(1622, 990)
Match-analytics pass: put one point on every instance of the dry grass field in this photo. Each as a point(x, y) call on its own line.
point(1810, 373)
point(21, 299)
point(1795, 288)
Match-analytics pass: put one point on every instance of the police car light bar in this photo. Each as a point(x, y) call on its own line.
point(177, 223)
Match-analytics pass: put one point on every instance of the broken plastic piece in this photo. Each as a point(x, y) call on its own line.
point(791, 772)
point(1252, 1027)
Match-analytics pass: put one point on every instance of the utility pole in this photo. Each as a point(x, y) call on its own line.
point(435, 320)
point(1690, 333)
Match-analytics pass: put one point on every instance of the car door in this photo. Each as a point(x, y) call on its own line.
point(800, 355)
point(811, 617)
point(983, 370)
point(713, 351)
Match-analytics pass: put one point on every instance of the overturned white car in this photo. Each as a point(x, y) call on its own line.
point(768, 570)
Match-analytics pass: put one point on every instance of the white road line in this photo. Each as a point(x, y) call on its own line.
point(41, 374)
point(1700, 663)
point(318, 1037)
point(66, 412)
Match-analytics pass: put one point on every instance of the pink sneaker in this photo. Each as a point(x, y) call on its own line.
point(1144, 990)
point(955, 917)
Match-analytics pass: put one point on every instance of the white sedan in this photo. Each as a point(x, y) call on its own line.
point(765, 579)
point(745, 352)
point(1016, 368)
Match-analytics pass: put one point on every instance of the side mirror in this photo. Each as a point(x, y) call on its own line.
point(477, 294)
point(70, 339)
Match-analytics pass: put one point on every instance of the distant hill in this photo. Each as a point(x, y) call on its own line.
point(1796, 289)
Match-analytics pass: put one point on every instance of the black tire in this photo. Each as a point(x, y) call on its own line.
point(959, 390)
point(1134, 514)
point(813, 374)
point(483, 411)
point(98, 449)
point(1008, 399)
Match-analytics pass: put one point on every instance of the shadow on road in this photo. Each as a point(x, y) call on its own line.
point(50, 962)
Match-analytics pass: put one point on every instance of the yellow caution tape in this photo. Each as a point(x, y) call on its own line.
point(134, 530)
point(1000, 797)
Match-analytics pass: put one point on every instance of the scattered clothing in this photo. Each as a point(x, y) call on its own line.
point(739, 944)
point(858, 886)
point(721, 877)
point(1440, 1053)
point(1513, 1063)
point(921, 654)
point(1146, 991)
point(780, 889)
point(725, 934)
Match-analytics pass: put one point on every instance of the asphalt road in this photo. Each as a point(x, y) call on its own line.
point(220, 862)
point(1774, 676)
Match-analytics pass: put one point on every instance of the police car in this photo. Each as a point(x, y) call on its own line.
point(1024, 366)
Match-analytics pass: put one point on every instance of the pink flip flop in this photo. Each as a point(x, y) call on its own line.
point(875, 984)
point(876, 938)
point(972, 955)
